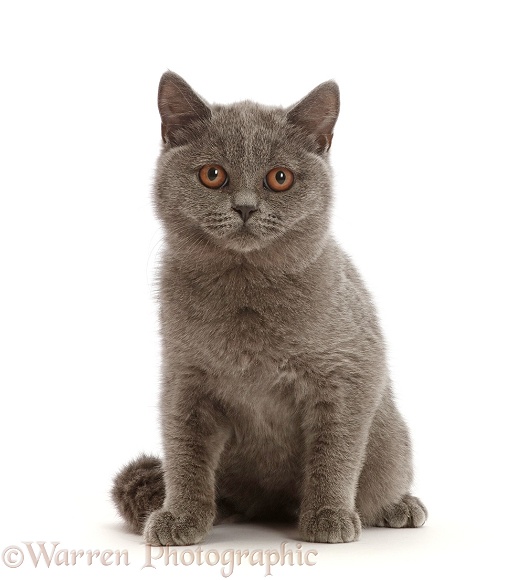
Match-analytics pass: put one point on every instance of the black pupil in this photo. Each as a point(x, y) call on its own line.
point(280, 177)
point(213, 174)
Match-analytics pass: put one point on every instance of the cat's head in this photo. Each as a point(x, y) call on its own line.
point(244, 176)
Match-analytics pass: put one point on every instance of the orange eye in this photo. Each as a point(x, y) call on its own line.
point(213, 176)
point(279, 179)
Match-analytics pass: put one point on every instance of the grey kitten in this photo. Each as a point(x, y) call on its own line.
point(276, 401)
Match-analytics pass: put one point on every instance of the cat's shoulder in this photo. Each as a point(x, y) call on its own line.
point(339, 262)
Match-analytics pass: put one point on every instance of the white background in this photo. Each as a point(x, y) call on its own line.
point(431, 159)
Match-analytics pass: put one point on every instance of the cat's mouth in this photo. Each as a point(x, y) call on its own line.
point(243, 238)
point(246, 229)
point(243, 235)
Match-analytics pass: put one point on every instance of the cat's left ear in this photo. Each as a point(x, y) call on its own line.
point(316, 114)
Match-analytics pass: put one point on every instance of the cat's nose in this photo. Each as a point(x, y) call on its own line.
point(245, 211)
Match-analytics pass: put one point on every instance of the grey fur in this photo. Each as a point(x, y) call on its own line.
point(276, 400)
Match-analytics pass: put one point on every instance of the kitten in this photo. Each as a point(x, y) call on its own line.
point(276, 401)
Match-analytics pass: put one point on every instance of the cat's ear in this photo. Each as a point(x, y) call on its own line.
point(179, 108)
point(316, 114)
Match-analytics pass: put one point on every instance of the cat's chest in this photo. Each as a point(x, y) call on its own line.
point(246, 339)
point(239, 324)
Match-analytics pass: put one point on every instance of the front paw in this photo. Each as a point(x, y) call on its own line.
point(166, 528)
point(328, 525)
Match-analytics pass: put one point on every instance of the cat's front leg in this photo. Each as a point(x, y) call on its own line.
point(194, 434)
point(337, 417)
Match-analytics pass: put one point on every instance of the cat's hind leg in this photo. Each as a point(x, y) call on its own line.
point(383, 497)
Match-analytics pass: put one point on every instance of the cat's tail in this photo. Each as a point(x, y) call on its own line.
point(138, 490)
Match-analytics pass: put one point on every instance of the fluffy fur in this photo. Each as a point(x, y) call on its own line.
point(276, 401)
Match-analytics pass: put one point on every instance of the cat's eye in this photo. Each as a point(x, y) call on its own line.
point(213, 176)
point(279, 179)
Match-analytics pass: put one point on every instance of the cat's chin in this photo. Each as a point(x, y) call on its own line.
point(243, 240)
point(243, 243)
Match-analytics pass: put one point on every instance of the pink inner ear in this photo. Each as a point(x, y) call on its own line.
point(324, 142)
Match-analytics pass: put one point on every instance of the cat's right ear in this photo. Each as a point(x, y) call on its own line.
point(179, 107)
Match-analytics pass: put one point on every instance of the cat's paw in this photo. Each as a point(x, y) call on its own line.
point(328, 525)
point(409, 512)
point(163, 528)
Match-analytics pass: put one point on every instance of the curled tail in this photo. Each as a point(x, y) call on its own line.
point(138, 490)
